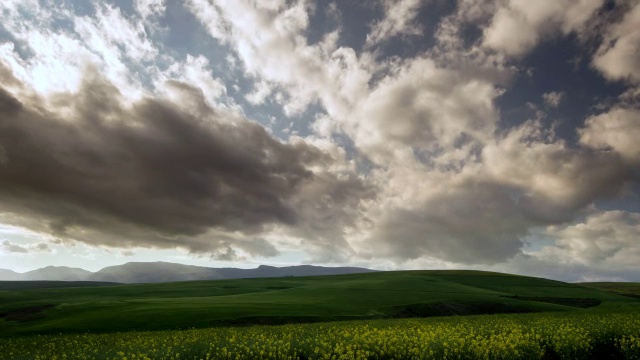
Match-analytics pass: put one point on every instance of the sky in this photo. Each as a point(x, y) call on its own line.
point(471, 134)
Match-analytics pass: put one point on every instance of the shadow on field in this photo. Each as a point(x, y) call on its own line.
point(283, 320)
point(26, 313)
point(451, 308)
point(601, 351)
point(420, 310)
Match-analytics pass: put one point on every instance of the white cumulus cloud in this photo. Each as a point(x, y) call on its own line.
point(398, 19)
point(519, 25)
point(618, 58)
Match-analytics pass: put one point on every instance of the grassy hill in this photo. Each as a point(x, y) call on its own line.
point(620, 288)
point(288, 300)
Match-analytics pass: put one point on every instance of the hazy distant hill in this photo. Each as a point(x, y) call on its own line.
point(152, 272)
point(62, 273)
point(302, 270)
point(9, 275)
point(155, 272)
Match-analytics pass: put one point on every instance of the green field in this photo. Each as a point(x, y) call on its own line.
point(383, 315)
point(629, 289)
point(204, 304)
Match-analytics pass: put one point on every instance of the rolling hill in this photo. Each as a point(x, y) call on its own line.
point(202, 304)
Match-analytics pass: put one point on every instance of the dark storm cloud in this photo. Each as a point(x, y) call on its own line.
point(91, 162)
point(477, 223)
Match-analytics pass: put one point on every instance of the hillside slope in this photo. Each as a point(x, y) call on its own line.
point(290, 300)
point(630, 289)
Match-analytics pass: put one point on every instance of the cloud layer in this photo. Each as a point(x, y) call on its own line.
point(156, 174)
point(299, 126)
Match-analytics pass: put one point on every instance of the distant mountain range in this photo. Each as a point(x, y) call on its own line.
point(155, 272)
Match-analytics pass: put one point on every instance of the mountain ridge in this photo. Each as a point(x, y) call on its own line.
point(160, 271)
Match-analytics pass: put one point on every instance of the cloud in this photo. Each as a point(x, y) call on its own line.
point(110, 32)
point(553, 98)
point(407, 160)
point(398, 19)
point(631, 97)
point(449, 186)
point(10, 247)
point(410, 103)
point(108, 40)
point(229, 254)
point(127, 253)
point(211, 18)
point(150, 8)
point(196, 72)
point(266, 37)
point(555, 179)
point(618, 57)
point(539, 265)
point(54, 67)
point(519, 25)
point(472, 222)
point(13, 248)
point(481, 210)
point(270, 42)
point(617, 129)
point(423, 106)
point(153, 174)
point(605, 240)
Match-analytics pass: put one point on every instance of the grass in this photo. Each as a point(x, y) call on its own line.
point(203, 304)
point(629, 289)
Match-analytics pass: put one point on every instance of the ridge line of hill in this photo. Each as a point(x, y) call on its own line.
point(157, 272)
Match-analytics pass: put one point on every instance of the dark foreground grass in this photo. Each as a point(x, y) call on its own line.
point(205, 304)
point(568, 335)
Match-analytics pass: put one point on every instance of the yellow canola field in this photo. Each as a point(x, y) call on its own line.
point(526, 336)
